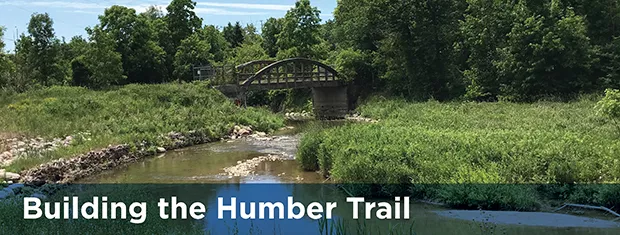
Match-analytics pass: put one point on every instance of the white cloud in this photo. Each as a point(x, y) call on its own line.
point(218, 11)
point(272, 7)
point(85, 12)
point(212, 8)
point(55, 4)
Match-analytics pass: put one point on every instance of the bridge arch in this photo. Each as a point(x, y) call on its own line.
point(292, 73)
point(246, 70)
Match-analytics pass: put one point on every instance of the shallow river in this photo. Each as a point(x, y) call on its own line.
point(206, 164)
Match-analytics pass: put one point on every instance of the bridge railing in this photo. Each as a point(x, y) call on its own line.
point(291, 73)
point(265, 74)
point(247, 70)
point(217, 74)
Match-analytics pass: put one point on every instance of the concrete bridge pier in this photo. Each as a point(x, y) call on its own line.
point(330, 102)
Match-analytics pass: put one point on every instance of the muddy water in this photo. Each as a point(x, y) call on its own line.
point(206, 164)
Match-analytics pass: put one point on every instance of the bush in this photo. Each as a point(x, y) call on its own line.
point(609, 106)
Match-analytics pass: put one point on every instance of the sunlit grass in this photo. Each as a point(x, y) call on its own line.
point(495, 144)
point(127, 115)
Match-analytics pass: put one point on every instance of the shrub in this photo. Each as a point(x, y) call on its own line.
point(609, 106)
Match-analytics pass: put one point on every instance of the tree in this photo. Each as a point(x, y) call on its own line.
point(357, 33)
point(182, 21)
point(156, 19)
point(234, 34)
point(547, 54)
point(41, 50)
point(609, 106)
point(251, 48)
point(215, 38)
point(484, 29)
point(610, 60)
point(7, 67)
point(2, 29)
point(76, 48)
point(153, 13)
point(270, 31)
point(359, 24)
point(195, 50)
point(103, 63)
point(135, 40)
point(418, 52)
point(300, 32)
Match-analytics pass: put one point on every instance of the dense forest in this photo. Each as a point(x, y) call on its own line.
point(516, 50)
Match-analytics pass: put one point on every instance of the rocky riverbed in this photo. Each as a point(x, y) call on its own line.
point(247, 167)
point(305, 116)
point(22, 147)
point(68, 170)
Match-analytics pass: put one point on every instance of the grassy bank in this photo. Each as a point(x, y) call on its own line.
point(488, 155)
point(132, 114)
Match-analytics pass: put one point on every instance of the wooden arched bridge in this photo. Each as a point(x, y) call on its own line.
point(329, 91)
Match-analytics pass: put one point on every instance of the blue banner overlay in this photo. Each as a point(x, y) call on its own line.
point(292, 209)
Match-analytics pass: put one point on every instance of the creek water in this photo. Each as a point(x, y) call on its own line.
point(205, 164)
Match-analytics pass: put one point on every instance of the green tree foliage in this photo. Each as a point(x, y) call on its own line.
point(7, 67)
point(357, 32)
point(609, 106)
point(251, 48)
point(610, 59)
point(156, 18)
point(182, 21)
point(418, 52)
point(359, 24)
point(194, 50)
point(300, 32)
point(234, 34)
point(484, 29)
point(77, 47)
point(143, 58)
point(205, 47)
point(547, 54)
point(2, 44)
point(270, 31)
point(103, 64)
point(327, 32)
point(39, 52)
point(219, 46)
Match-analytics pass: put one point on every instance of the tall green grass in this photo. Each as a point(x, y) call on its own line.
point(486, 155)
point(130, 114)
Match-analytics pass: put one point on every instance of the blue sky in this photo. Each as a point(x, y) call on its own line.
point(72, 16)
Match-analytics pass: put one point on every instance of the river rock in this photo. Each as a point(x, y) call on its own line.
point(9, 176)
point(5, 156)
point(161, 150)
point(244, 131)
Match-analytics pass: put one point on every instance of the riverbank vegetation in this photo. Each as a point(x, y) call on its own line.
point(488, 155)
point(133, 114)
